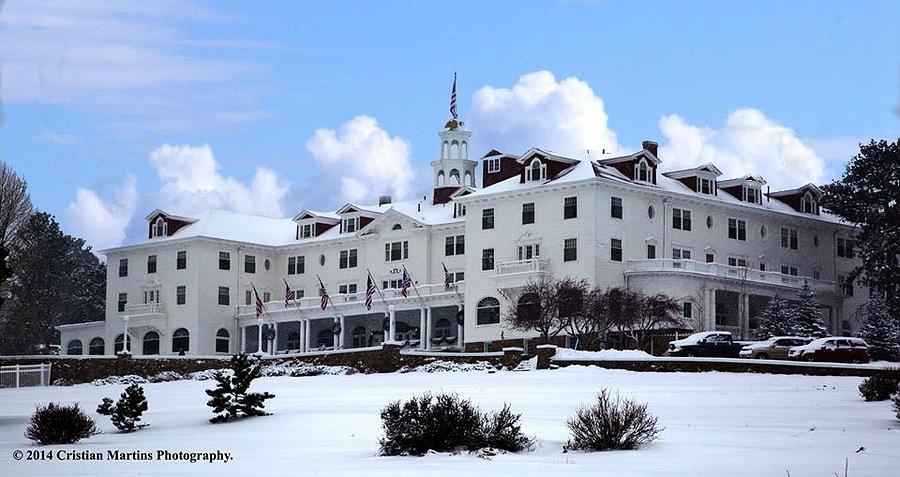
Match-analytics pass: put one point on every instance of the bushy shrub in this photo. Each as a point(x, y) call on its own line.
point(896, 401)
point(56, 424)
point(230, 398)
point(878, 387)
point(612, 423)
point(446, 423)
point(126, 413)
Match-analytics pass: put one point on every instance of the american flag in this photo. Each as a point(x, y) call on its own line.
point(405, 283)
point(370, 291)
point(448, 277)
point(259, 304)
point(453, 98)
point(324, 303)
point(288, 294)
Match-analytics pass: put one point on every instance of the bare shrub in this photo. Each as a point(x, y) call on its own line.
point(612, 423)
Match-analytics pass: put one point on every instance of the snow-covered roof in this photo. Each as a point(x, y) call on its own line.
point(318, 214)
point(810, 187)
point(234, 226)
point(709, 167)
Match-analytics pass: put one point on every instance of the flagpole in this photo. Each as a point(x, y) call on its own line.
point(415, 288)
point(299, 315)
point(329, 302)
point(259, 323)
point(377, 288)
point(455, 287)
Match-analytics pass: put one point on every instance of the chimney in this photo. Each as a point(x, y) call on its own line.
point(651, 146)
point(384, 200)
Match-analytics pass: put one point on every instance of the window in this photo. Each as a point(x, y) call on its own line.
point(150, 343)
point(396, 227)
point(181, 260)
point(762, 266)
point(615, 250)
point(651, 251)
point(642, 172)
point(348, 289)
point(159, 228)
point(223, 341)
point(224, 296)
point(74, 347)
point(180, 295)
point(443, 329)
point(528, 251)
point(709, 222)
point(488, 311)
point(846, 285)
point(710, 257)
point(737, 229)
point(181, 341)
point(394, 251)
point(151, 264)
point(359, 337)
point(487, 259)
point(151, 296)
point(737, 262)
point(789, 238)
point(536, 171)
point(307, 230)
point(119, 343)
point(224, 261)
point(325, 338)
point(752, 195)
point(808, 205)
point(248, 297)
point(528, 213)
point(651, 212)
point(789, 270)
point(455, 245)
point(123, 300)
point(687, 309)
point(615, 207)
point(390, 285)
point(493, 165)
point(681, 219)
point(350, 225)
point(459, 210)
point(681, 254)
point(706, 186)
point(292, 266)
point(348, 258)
point(123, 267)
point(97, 346)
point(570, 207)
point(249, 264)
point(570, 250)
point(296, 265)
point(487, 219)
point(817, 274)
point(845, 248)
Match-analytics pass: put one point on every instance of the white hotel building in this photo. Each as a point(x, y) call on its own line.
point(721, 247)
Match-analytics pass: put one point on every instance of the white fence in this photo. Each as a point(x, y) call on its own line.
point(22, 375)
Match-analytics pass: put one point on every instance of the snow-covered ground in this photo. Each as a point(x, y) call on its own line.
point(716, 424)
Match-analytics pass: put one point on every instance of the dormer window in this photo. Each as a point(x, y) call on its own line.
point(641, 171)
point(752, 194)
point(706, 186)
point(493, 165)
point(350, 225)
point(808, 204)
point(459, 210)
point(536, 171)
point(159, 228)
point(307, 230)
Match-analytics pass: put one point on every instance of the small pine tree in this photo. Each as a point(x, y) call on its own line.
point(807, 314)
point(126, 413)
point(230, 398)
point(881, 331)
point(777, 319)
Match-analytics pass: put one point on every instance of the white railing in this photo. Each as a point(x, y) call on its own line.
point(338, 299)
point(144, 309)
point(22, 375)
point(522, 266)
point(726, 271)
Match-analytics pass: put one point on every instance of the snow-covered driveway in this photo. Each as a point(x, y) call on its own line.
point(716, 424)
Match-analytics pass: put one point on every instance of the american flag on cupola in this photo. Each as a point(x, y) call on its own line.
point(453, 99)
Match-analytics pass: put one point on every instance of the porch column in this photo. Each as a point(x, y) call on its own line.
point(275, 340)
point(392, 325)
point(125, 349)
point(459, 329)
point(243, 339)
point(307, 339)
point(341, 335)
point(302, 336)
point(423, 333)
point(429, 322)
point(259, 325)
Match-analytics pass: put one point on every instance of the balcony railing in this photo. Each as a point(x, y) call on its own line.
point(726, 271)
point(522, 266)
point(144, 309)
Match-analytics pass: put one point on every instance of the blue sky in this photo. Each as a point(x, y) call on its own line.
point(113, 109)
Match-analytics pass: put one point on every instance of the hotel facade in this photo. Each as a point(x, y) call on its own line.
point(722, 247)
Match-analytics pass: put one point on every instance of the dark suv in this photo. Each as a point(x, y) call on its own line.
point(708, 343)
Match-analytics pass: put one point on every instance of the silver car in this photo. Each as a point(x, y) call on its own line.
point(773, 348)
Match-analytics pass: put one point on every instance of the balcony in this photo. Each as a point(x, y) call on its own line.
point(718, 270)
point(144, 309)
point(518, 273)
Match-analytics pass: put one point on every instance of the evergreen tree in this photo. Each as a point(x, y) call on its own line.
point(230, 398)
point(807, 314)
point(126, 413)
point(880, 330)
point(777, 319)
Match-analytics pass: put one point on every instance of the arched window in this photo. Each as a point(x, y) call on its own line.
point(293, 340)
point(440, 178)
point(809, 204)
point(159, 228)
point(445, 150)
point(464, 150)
point(488, 311)
point(151, 343)
point(397, 227)
point(359, 337)
point(223, 341)
point(536, 171)
point(454, 150)
point(468, 179)
point(74, 347)
point(97, 346)
point(118, 343)
point(454, 177)
point(181, 341)
point(641, 171)
point(529, 305)
point(325, 338)
point(443, 329)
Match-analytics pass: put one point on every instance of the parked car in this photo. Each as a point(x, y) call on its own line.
point(836, 349)
point(773, 348)
point(708, 343)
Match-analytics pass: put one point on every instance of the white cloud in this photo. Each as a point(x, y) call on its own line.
point(538, 111)
point(747, 143)
point(362, 161)
point(102, 224)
